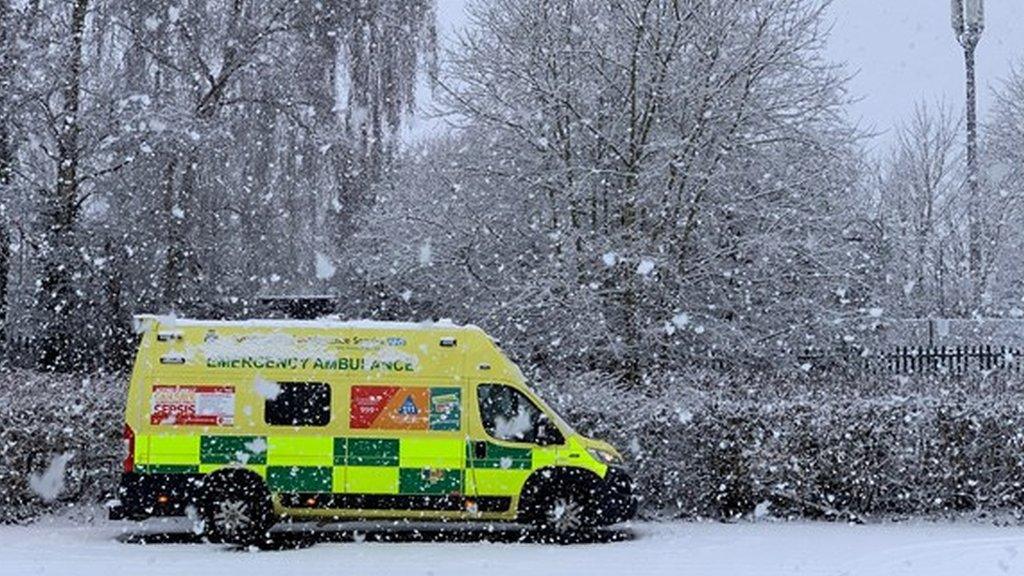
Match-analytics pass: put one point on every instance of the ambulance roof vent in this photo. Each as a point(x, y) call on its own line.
point(449, 342)
point(168, 336)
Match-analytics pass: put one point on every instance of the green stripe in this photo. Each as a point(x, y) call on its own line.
point(233, 449)
point(167, 469)
point(340, 451)
point(429, 481)
point(373, 452)
point(299, 478)
point(498, 456)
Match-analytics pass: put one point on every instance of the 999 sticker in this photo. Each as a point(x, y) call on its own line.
point(192, 405)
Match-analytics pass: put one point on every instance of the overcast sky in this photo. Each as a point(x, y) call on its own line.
point(902, 51)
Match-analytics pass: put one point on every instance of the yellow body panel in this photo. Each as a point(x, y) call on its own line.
point(200, 390)
point(300, 451)
point(430, 452)
point(372, 480)
point(173, 449)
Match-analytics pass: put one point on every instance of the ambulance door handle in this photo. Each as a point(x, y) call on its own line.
point(480, 450)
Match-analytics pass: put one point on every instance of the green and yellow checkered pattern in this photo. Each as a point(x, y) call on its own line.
point(315, 464)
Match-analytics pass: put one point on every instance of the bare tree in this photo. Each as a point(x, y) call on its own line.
point(649, 176)
point(7, 59)
point(1003, 213)
point(339, 74)
point(57, 295)
point(191, 155)
point(921, 207)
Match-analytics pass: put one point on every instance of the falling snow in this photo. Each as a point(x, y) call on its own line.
point(325, 269)
point(49, 484)
point(267, 389)
point(645, 267)
point(516, 427)
point(426, 254)
point(673, 225)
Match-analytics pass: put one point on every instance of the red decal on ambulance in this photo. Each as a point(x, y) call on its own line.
point(193, 405)
point(390, 408)
point(367, 404)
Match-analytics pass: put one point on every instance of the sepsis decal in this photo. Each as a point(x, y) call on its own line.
point(404, 408)
point(193, 405)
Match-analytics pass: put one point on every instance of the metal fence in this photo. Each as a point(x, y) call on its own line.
point(951, 360)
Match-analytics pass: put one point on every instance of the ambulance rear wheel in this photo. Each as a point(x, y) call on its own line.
point(236, 508)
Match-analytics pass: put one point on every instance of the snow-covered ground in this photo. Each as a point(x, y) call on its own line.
point(62, 546)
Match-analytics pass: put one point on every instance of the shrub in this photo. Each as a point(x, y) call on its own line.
point(707, 445)
point(711, 448)
point(46, 415)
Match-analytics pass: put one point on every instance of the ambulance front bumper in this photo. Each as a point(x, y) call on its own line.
point(142, 496)
point(618, 502)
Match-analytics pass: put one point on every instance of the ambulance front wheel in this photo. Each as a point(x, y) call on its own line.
point(236, 507)
point(559, 503)
point(564, 516)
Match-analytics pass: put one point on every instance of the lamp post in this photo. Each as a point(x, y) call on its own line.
point(968, 24)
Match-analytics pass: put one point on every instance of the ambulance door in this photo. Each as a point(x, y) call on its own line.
point(407, 450)
point(516, 437)
point(432, 455)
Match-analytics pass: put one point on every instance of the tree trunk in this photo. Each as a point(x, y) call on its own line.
point(174, 261)
point(57, 299)
point(6, 162)
point(116, 347)
point(5, 268)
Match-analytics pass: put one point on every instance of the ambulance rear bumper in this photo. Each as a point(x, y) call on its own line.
point(141, 496)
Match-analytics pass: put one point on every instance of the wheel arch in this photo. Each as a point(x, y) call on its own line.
point(236, 474)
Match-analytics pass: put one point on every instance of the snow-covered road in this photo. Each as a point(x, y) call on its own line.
point(61, 546)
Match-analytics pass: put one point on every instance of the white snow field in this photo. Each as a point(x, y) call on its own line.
point(62, 546)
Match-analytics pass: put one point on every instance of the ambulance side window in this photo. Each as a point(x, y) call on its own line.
point(298, 404)
point(507, 414)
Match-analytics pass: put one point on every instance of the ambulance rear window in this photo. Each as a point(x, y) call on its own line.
point(299, 404)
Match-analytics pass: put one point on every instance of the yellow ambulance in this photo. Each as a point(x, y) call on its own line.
point(248, 422)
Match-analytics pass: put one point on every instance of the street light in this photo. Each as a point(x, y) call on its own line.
point(968, 24)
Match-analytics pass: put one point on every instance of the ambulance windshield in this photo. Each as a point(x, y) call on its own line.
point(555, 416)
point(559, 421)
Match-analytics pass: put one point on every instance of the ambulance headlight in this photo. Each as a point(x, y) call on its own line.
point(604, 457)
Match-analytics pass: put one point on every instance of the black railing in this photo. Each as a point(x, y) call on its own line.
point(953, 360)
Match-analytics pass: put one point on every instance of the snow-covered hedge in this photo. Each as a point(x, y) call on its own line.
point(708, 445)
point(60, 440)
point(721, 447)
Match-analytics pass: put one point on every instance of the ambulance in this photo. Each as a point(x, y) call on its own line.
point(244, 423)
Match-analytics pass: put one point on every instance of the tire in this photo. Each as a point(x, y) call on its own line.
point(236, 508)
point(560, 507)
